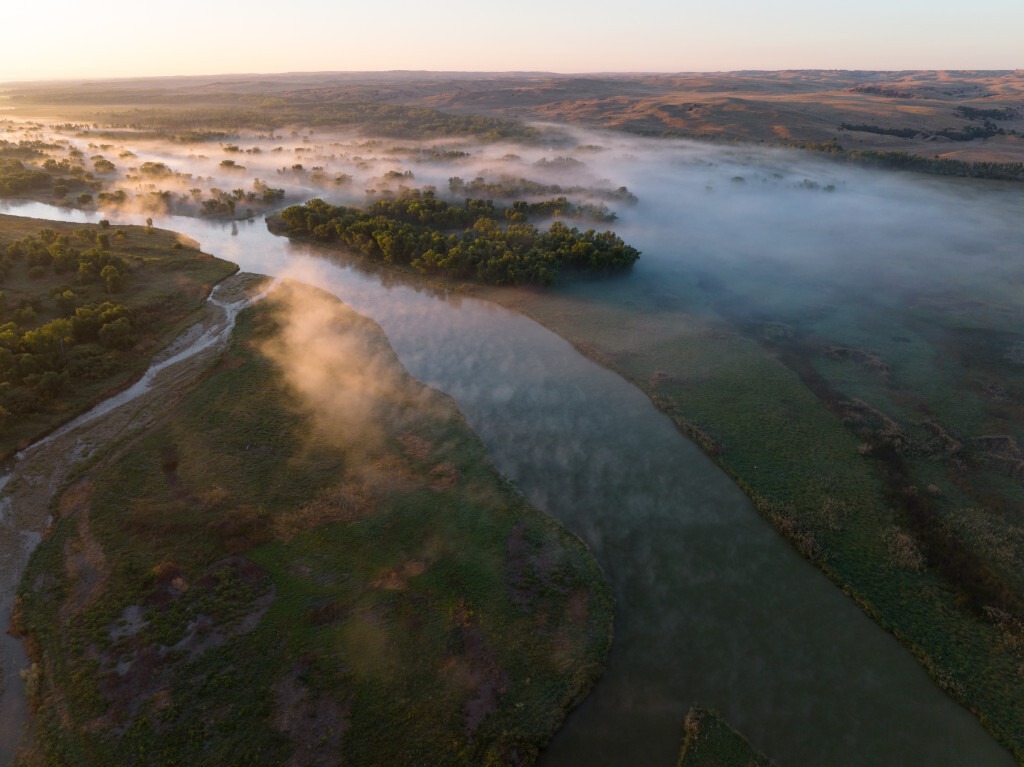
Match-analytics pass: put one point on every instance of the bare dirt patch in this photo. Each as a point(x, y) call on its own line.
point(475, 669)
point(314, 722)
point(86, 563)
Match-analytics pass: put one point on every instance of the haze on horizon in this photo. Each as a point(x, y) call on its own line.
point(121, 38)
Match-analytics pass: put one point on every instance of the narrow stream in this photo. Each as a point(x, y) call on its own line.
point(713, 608)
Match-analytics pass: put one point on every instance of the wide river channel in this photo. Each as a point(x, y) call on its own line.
point(713, 608)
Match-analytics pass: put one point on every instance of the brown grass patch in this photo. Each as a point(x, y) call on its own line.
point(866, 359)
point(313, 721)
point(241, 528)
point(783, 518)
point(84, 560)
point(346, 502)
point(577, 607)
point(415, 446)
point(326, 613)
point(447, 476)
point(660, 378)
point(903, 551)
point(398, 580)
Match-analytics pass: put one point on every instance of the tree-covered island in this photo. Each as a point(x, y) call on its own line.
point(476, 240)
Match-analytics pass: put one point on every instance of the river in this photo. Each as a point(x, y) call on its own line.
point(713, 608)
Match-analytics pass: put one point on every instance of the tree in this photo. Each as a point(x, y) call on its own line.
point(117, 334)
point(86, 273)
point(114, 278)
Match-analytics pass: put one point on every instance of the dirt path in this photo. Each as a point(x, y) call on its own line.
point(28, 481)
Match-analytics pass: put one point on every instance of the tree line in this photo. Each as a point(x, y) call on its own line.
point(939, 166)
point(511, 187)
point(193, 123)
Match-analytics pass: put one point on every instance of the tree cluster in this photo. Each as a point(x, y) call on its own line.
point(511, 187)
point(967, 133)
point(85, 341)
point(475, 240)
point(939, 166)
point(16, 179)
point(222, 203)
point(258, 112)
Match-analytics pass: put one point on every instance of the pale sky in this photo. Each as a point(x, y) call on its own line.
point(119, 38)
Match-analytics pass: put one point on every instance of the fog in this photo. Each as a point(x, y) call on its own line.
point(769, 222)
point(713, 607)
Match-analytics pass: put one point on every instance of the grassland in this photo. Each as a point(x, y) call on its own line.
point(711, 742)
point(956, 115)
point(285, 573)
point(164, 280)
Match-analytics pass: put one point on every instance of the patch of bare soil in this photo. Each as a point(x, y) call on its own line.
point(475, 669)
point(314, 722)
point(138, 674)
point(86, 563)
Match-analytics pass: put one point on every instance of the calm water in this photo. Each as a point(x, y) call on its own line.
point(713, 608)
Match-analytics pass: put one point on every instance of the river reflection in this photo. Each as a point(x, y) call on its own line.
point(713, 608)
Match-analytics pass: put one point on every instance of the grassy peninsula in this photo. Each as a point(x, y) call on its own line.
point(310, 554)
point(711, 742)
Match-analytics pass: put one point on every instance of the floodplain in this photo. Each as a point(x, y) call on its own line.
point(845, 343)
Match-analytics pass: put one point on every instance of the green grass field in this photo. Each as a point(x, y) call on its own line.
point(281, 572)
point(711, 742)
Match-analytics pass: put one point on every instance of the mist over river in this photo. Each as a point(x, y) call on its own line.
point(713, 607)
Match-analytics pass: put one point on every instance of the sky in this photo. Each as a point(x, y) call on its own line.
point(119, 38)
